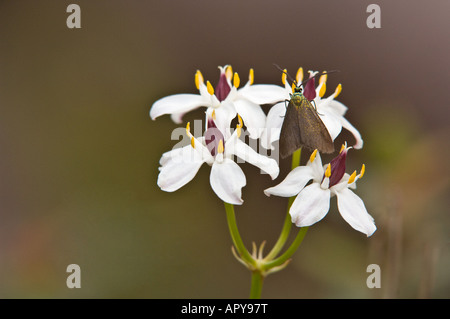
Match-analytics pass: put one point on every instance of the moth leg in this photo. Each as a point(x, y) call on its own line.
point(285, 104)
point(315, 107)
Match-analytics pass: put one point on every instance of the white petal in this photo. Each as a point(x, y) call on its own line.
point(223, 117)
point(177, 117)
point(249, 155)
point(274, 121)
point(346, 124)
point(177, 104)
point(253, 116)
point(352, 209)
point(179, 167)
point(337, 107)
point(294, 182)
point(263, 93)
point(317, 168)
point(310, 206)
point(331, 121)
point(227, 180)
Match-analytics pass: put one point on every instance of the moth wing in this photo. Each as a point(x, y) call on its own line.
point(313, 133)
point(290, 139)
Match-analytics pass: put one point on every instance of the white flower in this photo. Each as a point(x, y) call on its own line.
point(223, 103)
point(179, 166)
point(313, 201)
point(330, 111)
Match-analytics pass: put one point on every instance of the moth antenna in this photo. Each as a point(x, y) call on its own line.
point(285, 72)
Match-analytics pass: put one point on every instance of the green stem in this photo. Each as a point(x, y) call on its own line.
point(257, 283)
point(289, 252)
point(287, 220)
point(235, 236)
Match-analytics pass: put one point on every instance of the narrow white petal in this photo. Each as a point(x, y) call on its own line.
point(346, 124)
point(249, 155)
point(178, 167)
point(352, 209)
point(263, 93)
point(177, 104)
point(227, 180)
point(310, 206)
point(294, 182)
point(274, 121)
point(253, 116)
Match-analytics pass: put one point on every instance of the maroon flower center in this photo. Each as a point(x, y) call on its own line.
point(213, 136)
point(337, 168)
point(310, 90)
point(223, 88)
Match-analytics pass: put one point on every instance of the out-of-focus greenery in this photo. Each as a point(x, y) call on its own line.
point(79, 154)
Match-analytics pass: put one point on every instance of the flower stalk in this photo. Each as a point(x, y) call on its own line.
point(262, 266)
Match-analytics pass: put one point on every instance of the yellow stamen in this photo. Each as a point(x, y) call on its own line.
point(293, 86)
point(241, 123)
point(283, 76)
point(188, 128)
point(299, 75)
point(363, 170)
point(352, 177)
point(229, 72)
point(193, 142)
point(239, 126)
point(220, 147)
point(338, 90)
point(213, 115)
point(236, 80)
point(328, 171)
point(323, 88)
point(313, 156)
point(342, 148)
point(198, 79)
point(209, 88)
point(251, 76)
point(323, 78)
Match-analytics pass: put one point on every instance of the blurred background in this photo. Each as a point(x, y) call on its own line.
point(79, 153)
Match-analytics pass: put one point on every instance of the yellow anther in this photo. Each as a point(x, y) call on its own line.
point(251, 76)
point(299, 75)
point(352, 177)
point(342, 148)
point(313, 156)
point(241, 123)
point(323, 78)
point(338, 90)
point(239, 126)
point(322, 90)
point(213, 115)
point(283, 77)
point(363, 170)
point(236, 80)
point(193, 142)
point(229, 72)
point(293, 86)
point(209, 88)
point(220, 147)
point(198, 79)
point(188, 128)
point(328, 171)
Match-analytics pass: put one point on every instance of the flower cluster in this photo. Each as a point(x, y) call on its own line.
point(220, 145)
